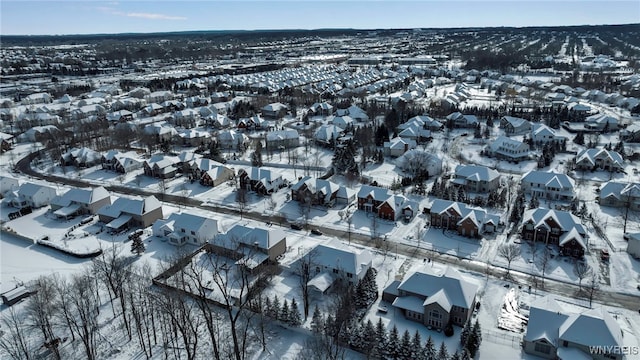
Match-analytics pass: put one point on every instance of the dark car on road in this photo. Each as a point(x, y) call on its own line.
point(316, 232)
point(296, 227)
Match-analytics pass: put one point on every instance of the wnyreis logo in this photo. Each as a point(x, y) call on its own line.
point(615, 350)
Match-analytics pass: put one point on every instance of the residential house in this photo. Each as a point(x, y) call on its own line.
point(216, 175)
point(253, 123)
point(328, 135)
point(505, 148)
point(599, 159)
point(321, 192)
point(231, 139)
point(125, 212)
point(162, 131)
point(398, 146)
point(385, 204)
point(161, 166)
point(354, 112)
point(542, 134)
point(554, 331)
point(6, 141)
point(343, 122)
point(554, 227)
point(476, 178)
point(80, 157)
point(185, 228)
point(153, 109)
point(434, 299)
point(192, 137)
point(31, 195)
point(514, 125)
point(120, 116)
point(422, 121)
point(159, 96)
point(548, 185)
point(617, 194)
point(459, 120)
point(274, 111)
point(8, 184)
point(40, 133)
point(262, 181)
point(282, 139)
point(601, 122)
point(323, 109)
point(467, 221)
point(631, 133)
point(252, 247)
point(335, 261)
point(37, 98)
point(120, 162)
point(80, 201)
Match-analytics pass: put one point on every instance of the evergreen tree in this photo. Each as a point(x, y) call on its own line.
point(274, 311)
point(267, 306)
point(416, 347)
point(284, 312)
point(317, 323)
point(534, 203)
point(294, 314)
point(405, 346)
point(579, 138)
point(381, 339)
point(455, 356)
point(443, 353)
point(368, 338)
point(620, 149)
point(137, 245)
point(430, 349)
point(464, 334)
point(393, 346)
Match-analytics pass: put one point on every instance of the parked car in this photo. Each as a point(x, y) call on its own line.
point(383, 309)
point(296, 227)
point(316, 232)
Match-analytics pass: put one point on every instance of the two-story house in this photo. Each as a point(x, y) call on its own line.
point(282, 139)
point(548, 185)
point(183, 228)
point(514, 125)
point(460, 120)
point(385, 204)
point(80, 201)
point(125, 212)
point(260, 180)
point(599, 159)
point(505, 148)
point(617, 194)
point(467, 221)
point(476, 178)
point(553, 227)
point(432, 298)
point(542, 134)
point(321, 192)
point(252, 247)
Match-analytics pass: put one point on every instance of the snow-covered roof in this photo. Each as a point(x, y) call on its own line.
point(458, 290)
point(591, 155)
point(594, 327)
point(476, 172)
point(377, 193)
point(478, 216)
point(81, 196)
point(190, 222)
point(545, 318)
point(264, 238)
point(336, 255)
point(566, 220)
point(130, 206)
point(558, 180)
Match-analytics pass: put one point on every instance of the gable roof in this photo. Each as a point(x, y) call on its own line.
point(476, 172)
point(594, 327)
point(478, 216)
point(377, 193)
point(549, 179)
point(81, 196)
point(458, 290)
point(264, 238)
point(336, 255)
point(130, 206)
point(566, 220)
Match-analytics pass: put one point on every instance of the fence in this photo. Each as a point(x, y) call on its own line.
point(514, 341)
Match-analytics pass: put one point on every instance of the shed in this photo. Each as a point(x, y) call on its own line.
point(15, 295)
point(633, 247)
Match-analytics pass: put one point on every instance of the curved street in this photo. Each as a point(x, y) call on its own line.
point(604, 296)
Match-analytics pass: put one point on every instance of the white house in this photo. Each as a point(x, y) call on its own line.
point(505, 148)
point(542, 134)
point(231, 139)
point(514, 125)
point(398, 146)
point(8, 184)
point(460, 120)
point(616, 194)
point(183, 228)
point(354, 112)
point(601, 122)
point(327, 134)
point(255, 245)
point(599, 159)
point(335, 260)
point(282, 139)
point(342, 121)
point(548, 185)
point(32, 195)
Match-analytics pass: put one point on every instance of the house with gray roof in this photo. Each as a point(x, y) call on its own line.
point(617, 194)
point(282, 139)
point(505, 148)
point(601, 122)
point(320, 191)
point(80, 201)
point(554, 227)
point(548, 185)
point(335, 261)
point(460, 120)
point(261, 180)
point(514, 125)
point(185, 228)
point(599, 159)
point(542, 134)
point(554, 332)
point(8, 184)
point(31, 195)
point(467, 221)
point(125, 212)
point(476, 178)
point(434, 298)
point(398, 146)
point(251, 247)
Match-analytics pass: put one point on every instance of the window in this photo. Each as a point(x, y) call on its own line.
point(193, 232)
point(349, 275)
point(542, 348)
point(335, 271)
point(182, 230)
point(435, 314)
point(565, 343)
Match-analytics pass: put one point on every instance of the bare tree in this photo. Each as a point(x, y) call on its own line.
point(14, 340)
point(111, 268)
point(543, 261)
point(349, 218)
point(582, 270)
point(592, 287)
point(304, 269)
point(40, 311)
point(241, 200)
point(272, 203)
point(509, 252)
point(304, 208)
point(84, 308)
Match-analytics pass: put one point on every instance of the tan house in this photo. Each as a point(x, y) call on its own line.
point(80, 201)
point(434, 299)
point(252, 247)
point(124, 213)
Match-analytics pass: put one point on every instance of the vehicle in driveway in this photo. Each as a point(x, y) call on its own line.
point(316, 232)
point(296, 227)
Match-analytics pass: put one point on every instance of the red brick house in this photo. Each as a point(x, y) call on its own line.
point(460, 217)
